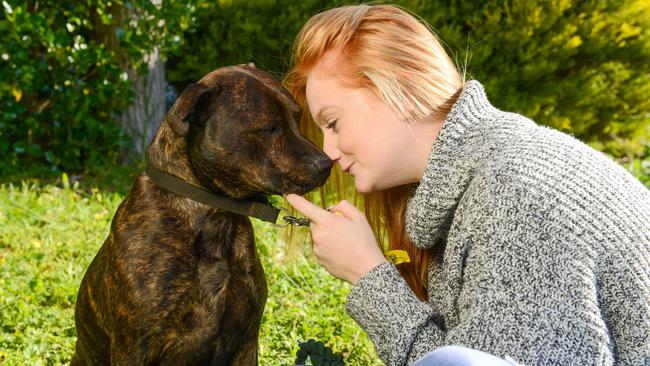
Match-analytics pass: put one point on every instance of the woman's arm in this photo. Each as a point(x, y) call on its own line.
point(510, 288)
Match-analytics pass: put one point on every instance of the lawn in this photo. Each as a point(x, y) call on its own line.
point(49, 233)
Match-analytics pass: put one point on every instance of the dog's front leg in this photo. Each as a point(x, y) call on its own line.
point(247, 353)
point(127, 354)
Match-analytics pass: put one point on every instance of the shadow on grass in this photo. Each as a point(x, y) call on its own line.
point(113, 179)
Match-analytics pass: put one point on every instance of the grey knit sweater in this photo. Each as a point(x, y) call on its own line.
point(546, 249)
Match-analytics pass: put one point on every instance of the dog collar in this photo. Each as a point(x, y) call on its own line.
point(242, 207)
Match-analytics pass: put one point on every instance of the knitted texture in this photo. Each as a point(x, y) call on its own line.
point(546, 249)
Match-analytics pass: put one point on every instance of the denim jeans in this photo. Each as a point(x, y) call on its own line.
point(461, 356)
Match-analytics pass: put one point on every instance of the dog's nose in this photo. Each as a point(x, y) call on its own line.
point(322, 164)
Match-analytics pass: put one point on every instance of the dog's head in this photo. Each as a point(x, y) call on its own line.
point(241, 129)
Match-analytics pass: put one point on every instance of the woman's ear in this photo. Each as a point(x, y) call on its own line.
point(189, 105)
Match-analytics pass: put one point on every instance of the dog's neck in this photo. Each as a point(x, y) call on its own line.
point(168, 153)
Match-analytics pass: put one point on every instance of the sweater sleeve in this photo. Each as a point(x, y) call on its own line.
point(400, 325)
point(517, 290)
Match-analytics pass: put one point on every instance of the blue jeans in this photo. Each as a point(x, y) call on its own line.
point(460, 356)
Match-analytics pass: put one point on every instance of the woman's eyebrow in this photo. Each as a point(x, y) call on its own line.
point(319, 115)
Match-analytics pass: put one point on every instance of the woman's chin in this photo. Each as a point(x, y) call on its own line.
point(361, 186)
point(365, 186)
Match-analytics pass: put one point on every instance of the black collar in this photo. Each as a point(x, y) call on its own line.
point(238, 206)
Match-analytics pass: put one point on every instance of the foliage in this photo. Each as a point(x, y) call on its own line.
point(640, 168)
point(318, 354)
point(578, 66)
point(49, 234)
point(235, 32)
point(63, 85)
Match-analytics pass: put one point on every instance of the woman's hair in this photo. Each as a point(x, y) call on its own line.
point(390, 52)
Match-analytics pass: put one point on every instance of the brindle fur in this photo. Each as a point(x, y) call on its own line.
point(180, 283)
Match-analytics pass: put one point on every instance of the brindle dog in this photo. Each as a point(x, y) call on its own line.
point(178, 282)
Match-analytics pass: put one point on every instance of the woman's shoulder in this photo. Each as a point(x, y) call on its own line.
point(524, 152)
point(532, 167)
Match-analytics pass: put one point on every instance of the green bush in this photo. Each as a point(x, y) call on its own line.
point(578, 66)
point(235, 32)
point(62, 87)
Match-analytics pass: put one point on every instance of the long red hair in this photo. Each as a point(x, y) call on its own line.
point(395, 55)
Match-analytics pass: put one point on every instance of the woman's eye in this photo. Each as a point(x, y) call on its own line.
point(331, 124)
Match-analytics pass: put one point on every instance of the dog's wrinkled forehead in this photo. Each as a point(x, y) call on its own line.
point(241, 76)
point(250, 93)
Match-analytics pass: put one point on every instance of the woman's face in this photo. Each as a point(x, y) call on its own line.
point(364, 135)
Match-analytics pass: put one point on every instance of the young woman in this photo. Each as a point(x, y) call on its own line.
point(523, 241)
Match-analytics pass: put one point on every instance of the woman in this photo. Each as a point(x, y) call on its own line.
point(523, 241)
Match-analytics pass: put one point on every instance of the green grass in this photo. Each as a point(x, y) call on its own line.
point(49, 234)
point(50, 231)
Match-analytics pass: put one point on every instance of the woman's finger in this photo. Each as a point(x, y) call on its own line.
point(310, 210)
point(347, 209)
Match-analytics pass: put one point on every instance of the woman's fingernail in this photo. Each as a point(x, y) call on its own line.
point(335, 213)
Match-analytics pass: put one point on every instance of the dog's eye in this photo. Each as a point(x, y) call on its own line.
point(269, 129)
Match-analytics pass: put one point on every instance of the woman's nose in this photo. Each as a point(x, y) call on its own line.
point(330, 148)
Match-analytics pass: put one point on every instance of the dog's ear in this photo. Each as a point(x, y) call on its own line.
point(182, 106)
point(199, 113)
point(184, 110)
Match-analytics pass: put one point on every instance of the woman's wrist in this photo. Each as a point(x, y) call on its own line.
point(363, 270)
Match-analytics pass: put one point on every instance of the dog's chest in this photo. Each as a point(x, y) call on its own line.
point(228, 268)
point(229, 291)
point(226, 263)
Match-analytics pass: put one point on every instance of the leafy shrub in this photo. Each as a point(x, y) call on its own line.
point(578, 66)
point(62, 87)
point(234, 32)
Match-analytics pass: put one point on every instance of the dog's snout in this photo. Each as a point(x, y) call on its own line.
point(322, 164)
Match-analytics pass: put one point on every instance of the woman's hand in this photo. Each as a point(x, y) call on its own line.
point(343, 241)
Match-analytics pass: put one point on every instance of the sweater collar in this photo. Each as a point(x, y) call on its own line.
point(455, 155)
